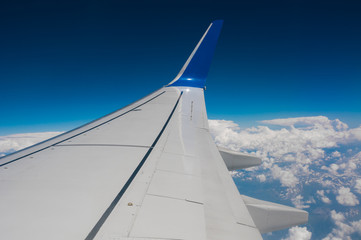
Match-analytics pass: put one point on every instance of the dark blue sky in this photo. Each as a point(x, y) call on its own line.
point(65, 63)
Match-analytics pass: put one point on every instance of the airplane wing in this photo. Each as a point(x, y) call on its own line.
point(147, 171)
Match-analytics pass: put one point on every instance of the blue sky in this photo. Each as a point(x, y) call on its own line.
point(64, 63)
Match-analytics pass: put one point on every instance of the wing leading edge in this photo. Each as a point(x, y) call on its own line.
point(148, 171)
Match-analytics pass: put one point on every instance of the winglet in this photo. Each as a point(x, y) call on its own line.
point(195, 70)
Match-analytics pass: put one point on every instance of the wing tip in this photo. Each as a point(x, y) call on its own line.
point(218, 22)
point(195, 70)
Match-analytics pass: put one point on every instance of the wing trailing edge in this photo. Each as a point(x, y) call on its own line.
point(195, 70)
point(269, 217)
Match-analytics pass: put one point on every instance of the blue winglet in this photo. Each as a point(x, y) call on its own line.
point(195, 70)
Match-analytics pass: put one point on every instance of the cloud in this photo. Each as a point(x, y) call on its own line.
point(337, 217)
point(336, 154)
point(346, 198)
point(318, 121)
point(297, 150)
point(309, 139)
point(342, 229)
point(261, 177)
point(321, 195)
point(358, 186)
point(355, 133)
point(298, 233)
point(15, 142)
point(287, 178)
point(299, 203)
point(356, 225)
point(332, 168)
point(303, 158)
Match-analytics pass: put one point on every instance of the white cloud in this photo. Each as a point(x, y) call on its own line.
point(346, 198)
point(358, 186)
point(16, 142)
point(355, 133)
point(261, 177)
point(342, 230)
point(298, 202)
point(336, 154)
point(302, 155)
point(307, 141)
point(287, 178)
point(298, 233)
point(337, 217)
point(356, 225)
point(294, 150)
point(321, 194)
point(320, 121)
point(333, 168)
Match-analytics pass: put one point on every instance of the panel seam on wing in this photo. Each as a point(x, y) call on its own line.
point(99, 145)
point(175, 198)
point(246, 225)
point(185, 174)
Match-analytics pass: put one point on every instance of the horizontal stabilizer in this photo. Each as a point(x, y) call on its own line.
point(236, 160)
point(270, 217)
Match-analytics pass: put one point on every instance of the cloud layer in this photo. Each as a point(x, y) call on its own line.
point(315, 160)
point(343, 230)
point(15, 142)
point(292, 152)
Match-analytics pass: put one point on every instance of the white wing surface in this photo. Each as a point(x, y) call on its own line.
point(148, 171)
